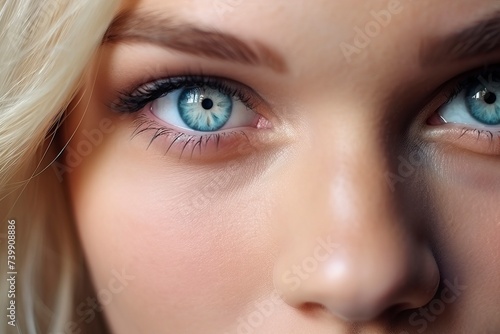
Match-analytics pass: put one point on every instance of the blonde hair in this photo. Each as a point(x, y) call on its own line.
point(45, 47)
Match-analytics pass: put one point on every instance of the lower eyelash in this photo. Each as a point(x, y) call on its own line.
point(480, 132)
point(481, 141)
point(144, 124)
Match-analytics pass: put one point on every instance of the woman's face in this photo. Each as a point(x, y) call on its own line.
point(255, 167)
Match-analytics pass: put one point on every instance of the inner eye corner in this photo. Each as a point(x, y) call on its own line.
point(436, 118)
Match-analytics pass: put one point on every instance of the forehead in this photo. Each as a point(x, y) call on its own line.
point(317, 19)
point(363, 32)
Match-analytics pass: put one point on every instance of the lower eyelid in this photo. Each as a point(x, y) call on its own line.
point(481, 141)
point(172, 141)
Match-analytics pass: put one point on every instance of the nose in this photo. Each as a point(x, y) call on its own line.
point(348, 247)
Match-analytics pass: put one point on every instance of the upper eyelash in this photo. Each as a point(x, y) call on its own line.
point(140, 97)
point(136, 100)
point(470, 79)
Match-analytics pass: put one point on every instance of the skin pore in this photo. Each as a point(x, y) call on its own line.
point(337, 200)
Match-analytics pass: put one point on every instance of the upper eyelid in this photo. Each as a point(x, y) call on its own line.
point(450, 89)
point(478, 76)
point(246, 94)
point(442, 92)
point(487, 77)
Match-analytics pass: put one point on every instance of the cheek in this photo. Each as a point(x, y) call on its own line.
point(194, 239)
point(466, 199)
point(469, 230)
point(466, 230)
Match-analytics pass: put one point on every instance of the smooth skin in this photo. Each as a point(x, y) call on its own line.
point(346, 213)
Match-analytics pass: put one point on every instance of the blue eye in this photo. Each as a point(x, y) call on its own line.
point(197, 112)
point(484, 105)
point(202, 107)
point(477, 103)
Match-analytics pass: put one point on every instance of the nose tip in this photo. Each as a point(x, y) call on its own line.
point(360, 287)
point(381, 263)
point(377, 290)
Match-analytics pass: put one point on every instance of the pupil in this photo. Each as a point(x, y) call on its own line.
point(208, 104)
point(490, 98)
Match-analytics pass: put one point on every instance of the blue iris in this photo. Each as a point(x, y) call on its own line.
point(204, 109)
point(484, 104)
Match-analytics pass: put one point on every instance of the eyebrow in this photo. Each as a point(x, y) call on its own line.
point(166, 32)
point(481, 38)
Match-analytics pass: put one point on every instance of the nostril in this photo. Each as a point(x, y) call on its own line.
point(378, 279)
point(340, 311)
point(314, 308)
point(395, 311)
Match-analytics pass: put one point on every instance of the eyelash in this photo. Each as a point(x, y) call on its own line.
point(468, 79)
point(457, 87)
point(145, 124)
point(130, 102)
point(136, 100)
